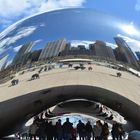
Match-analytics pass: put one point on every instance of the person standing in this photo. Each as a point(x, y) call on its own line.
point(67, 127)
point(59, 130)
point(32, 131)
point(81, 130)
point(105, 131)
point(114, 131)
point(98, 130)
point(88, 129)
point(50, 131)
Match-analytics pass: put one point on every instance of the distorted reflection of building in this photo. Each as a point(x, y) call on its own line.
point(53, 49)
point(34, 56)
point(124, 53)
point(61, 47)
point(138, 55)
point(3, 60)
point(102, 50)
point(78, 50)
point(23, 54)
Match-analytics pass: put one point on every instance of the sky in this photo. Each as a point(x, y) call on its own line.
point(14, 10)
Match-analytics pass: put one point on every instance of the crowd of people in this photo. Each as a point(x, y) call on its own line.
point(45, 130)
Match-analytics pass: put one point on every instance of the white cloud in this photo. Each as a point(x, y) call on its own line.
point(137, 6)
point(15, 9)
point(22, 32)
point(133, 43)
point(111, 45)
point(75, 43)
point(129, 29)
point(8, 63)
point(16, 49)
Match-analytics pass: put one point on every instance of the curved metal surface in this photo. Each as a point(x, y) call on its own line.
point(89, 52)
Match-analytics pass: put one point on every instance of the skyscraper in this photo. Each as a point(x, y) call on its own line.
point(125, 53)
point(22, 54)
point(110, 53)
point(53, 49)
point(138, 55)
point(102, 50)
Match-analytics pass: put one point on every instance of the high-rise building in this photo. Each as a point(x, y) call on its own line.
point(82, 49)
point(66, 50)
point(138, 55)
point(102, 50)
point(110, 52)
point(124, 52)
point(92, 49)
point(22, 54)
point(34, 56)
point(3, 60)
point(53, 49)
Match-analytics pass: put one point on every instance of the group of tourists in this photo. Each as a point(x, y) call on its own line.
point(45, 130)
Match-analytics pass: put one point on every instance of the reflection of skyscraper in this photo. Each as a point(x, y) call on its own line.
point(110, 53)
point(92, 49)
point(138, 55)
point(102, 50)
point(34, 56)
point(3, 61)
point(66, 50)
point(22, 54)
point(53, 49)
point(124, 53)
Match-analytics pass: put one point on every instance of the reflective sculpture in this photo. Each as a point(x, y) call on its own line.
point(55, 58)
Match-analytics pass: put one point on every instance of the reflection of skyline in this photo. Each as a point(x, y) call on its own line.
point(69, 24)
point(92, 27)
point(63, 48)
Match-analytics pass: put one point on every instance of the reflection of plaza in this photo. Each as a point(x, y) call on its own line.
point(102, 75)
point(100, 84)
point(61, 49)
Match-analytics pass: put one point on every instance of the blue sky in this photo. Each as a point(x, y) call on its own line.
point(14, 10)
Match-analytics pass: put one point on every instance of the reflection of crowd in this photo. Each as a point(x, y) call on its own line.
point(35, 75)
point(45, 130)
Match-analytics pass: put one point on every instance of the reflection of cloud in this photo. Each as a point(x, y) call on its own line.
point(8, 63)
point(1, 50)
point(8, 30)
point(111, 45)
point(75, 43)
point(133, 43)
point(137, 6)
point(24, 8)
point(42, 25)
point(130, 29)
point(22, 32)
point(16, 49)
point(37, 41)
point(3, 42)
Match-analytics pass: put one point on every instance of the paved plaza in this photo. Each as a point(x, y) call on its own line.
point(128, 85)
